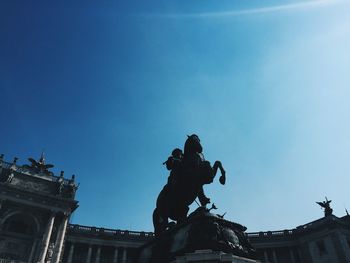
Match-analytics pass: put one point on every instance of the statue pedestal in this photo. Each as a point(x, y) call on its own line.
point(203, 236)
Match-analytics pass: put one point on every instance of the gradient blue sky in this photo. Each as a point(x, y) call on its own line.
point(109, 88)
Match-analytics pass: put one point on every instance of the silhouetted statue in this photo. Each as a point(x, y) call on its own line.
point(174, 162)
point(40, 166)
point(188, 175)
point(326, 206)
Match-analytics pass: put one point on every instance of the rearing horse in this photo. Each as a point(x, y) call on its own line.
point(185, 183)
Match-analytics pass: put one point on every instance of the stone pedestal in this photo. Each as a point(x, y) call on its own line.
point(203, 236)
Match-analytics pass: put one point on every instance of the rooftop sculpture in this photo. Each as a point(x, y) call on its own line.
point(17, 175)
point(326, 206)
point(189, 172)
point(39, 167)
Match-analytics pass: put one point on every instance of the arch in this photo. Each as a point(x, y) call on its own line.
point(20, 222)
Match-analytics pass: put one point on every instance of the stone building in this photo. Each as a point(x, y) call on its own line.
point(35, 207)
point(324, 240)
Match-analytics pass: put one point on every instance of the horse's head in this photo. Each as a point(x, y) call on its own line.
point(193, 144)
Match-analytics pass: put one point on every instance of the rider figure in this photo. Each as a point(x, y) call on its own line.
point(174, 161)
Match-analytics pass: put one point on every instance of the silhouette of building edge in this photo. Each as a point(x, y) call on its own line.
point(36, 205)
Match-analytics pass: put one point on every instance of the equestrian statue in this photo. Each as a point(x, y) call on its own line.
point(189, 171)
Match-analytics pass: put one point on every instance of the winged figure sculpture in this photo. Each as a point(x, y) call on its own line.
point(326, 206)
point(39, 166)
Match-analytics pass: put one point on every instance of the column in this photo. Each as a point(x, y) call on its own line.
point(32, 251)
point(115, 257)
point(60, 239)
point(124, 255)
point(299, 255)
point(274, 256)
point(71, 252)
point(98, 254)
point(343, 246)
point(291, 254)
point(266, 258)
point(88, 258)
point(46, 238)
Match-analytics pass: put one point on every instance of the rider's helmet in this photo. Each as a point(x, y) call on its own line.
point(174, 159)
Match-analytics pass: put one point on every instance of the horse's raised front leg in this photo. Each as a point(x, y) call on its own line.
point(222, 178)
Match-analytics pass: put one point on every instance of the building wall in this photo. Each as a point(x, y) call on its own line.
point(324, 240)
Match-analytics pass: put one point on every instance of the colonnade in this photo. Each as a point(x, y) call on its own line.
point(58, 249)
point(97, 257)
point(274, 255)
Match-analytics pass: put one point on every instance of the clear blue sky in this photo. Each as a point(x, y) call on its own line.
point(109, 88)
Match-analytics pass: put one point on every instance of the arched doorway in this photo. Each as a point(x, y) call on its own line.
point(18, 233)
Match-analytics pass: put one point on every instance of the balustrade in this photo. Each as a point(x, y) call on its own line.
point(104, 231)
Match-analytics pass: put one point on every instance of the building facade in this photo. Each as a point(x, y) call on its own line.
point(326, 240)
point(35, 207)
